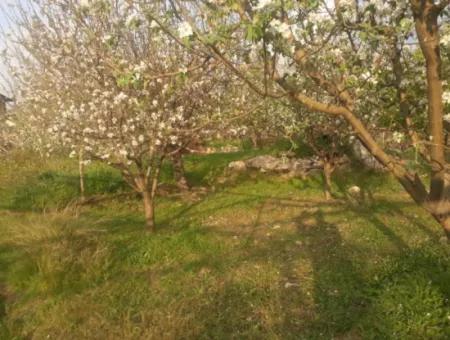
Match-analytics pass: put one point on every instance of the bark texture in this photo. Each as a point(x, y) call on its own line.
point(328, 169)
point(179, 172)
point(81, 173)
point(149, 210)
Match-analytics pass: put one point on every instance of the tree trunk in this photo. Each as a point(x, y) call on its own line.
point(149, 210)
point(426, 21)
point(426, 15)
point(446, 225)
point(255, 137)
point(81, 173)
point(327, 171)
point(178, 171)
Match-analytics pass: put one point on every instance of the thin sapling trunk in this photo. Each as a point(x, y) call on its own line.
point(328, 169)
point(81, 174)
point(149, 210)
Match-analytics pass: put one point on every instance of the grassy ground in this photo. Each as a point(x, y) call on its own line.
point(258, 257)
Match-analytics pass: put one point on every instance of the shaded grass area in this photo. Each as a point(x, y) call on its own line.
point(29, 183)
point(259, 258)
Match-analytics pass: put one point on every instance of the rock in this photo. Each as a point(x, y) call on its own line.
point(270, 163)
point(306, 164)
point(209, 150)
point(222, 179)
point(444, 240)
point(285, 165)
point(290, 167)
point(356, 195)
point(237, 166)
point(354, 190)
point(229, 149)
point(287, 154)
point(265, 162)
point(365, 157)
point(291, 284)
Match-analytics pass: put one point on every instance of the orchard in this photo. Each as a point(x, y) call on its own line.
point(224, 169)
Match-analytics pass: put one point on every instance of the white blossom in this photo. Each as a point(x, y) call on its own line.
point(121, 97)
point(446, 97)
point(10, 123)
point(185, 30)
point(281, 27)
point(285, 66)
point(445, 39)
point(398, 137)
point(85, 3)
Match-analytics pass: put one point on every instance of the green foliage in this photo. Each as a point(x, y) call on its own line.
point(254, 32)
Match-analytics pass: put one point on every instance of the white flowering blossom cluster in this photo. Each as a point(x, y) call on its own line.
point(398, 137)
point(119, 104)
point(185, 30)
point(126, 99)
point(358, 61)
point(446, 97)
point(304, 46)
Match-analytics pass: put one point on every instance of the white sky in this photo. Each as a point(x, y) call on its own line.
point(7, 5)
point(2, 67)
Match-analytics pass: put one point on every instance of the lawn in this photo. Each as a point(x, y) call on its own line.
point(254, 256)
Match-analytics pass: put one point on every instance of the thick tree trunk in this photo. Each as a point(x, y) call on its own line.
point(327, 172)
point(178, 171)
point(426, 21)
point(426, 15)
point(149, 210)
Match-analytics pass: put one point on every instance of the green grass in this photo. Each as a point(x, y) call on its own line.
point(258, 257)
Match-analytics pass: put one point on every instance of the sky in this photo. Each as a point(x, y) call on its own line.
point(2, 67)
point(5, 25)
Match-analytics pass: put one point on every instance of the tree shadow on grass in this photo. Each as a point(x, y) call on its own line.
point(338, 286)
point(240, 304)
point(368, 205)
point(346, 301)
point(337, 292)
point(238, 307)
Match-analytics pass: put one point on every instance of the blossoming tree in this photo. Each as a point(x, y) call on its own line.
point(115, 87)
point(347, 59)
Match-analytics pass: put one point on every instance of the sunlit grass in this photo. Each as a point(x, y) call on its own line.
point(260, 257)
